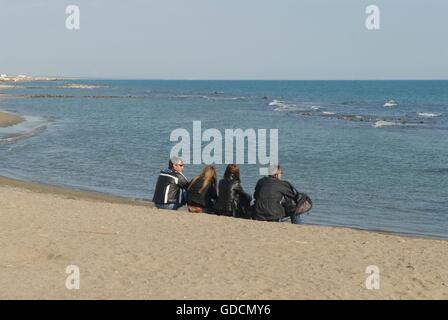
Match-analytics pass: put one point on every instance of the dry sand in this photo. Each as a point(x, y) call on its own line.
point(9, 119)
point(133, 251)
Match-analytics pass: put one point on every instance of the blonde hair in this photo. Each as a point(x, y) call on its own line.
point(208, 174)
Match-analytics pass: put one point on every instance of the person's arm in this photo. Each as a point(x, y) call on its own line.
point(239, 189)
point(256, 190)
point(183, 182)
point(213, 191)
point(288, 190)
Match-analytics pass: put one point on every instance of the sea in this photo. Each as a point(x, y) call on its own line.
point(371, 155)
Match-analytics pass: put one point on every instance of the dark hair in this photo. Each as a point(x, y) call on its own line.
point(232, 170)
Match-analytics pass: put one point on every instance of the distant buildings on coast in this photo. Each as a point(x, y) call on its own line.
point(20, 78)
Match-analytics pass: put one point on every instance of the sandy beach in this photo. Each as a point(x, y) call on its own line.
point(9, 119)
point(129, 250)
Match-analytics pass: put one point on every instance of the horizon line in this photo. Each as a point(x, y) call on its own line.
point(219, 79)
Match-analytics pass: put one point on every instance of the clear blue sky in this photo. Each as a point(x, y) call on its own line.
point(226, 39)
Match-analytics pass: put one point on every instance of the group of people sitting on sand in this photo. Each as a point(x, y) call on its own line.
point(274, 199)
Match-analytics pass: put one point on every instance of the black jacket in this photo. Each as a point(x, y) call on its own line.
point(269, 194)
point(204, 199)
point(169, 187)
point(232, 199)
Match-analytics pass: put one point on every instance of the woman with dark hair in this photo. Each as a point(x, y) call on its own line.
point(202, 192)
point(232, 200)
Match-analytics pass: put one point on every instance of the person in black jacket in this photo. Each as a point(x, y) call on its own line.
point(270, 195)
point(202, 192)
point(171, 186)
point(232, 200)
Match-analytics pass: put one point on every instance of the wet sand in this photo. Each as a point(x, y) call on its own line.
point(129, 250)
point(8, 119)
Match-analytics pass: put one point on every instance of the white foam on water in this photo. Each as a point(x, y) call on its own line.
point(277, 103)
point(31, 126)
point(284, 106)
point(390, 103)
point(428, 114)
point(207, 97)
point(9, 86)
point(187, 96)
point(382, 123)
point(223, 98)
point(81, 86)
point(328, 113)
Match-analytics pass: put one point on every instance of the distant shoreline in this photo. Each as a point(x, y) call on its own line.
point(20, 79)
point(15, 79)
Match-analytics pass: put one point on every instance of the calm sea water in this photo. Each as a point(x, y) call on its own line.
point(364, 164)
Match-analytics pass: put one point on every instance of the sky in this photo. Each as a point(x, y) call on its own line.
point(226, 39)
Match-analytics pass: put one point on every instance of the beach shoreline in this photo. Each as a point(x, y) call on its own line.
point(91, 195)
point(130, 250)
point(9, 119)
point(70, 193)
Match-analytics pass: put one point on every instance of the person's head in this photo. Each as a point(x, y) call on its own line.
point(275, 171)
point(232, 170)
point(176, 164)
point(208, 175)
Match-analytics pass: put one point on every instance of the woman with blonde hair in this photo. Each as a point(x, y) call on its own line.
point(202, 191)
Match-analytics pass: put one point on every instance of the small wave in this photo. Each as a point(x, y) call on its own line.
point(26, 129)
point(178, 96)
point(303, 108)
point(428, 114)
point(328, 113)
point(382, 124)
point(186, 96)
point(390, 103)
point(284, 106)
point(217, 96)
point(80, 86)
point(24, 135)
point(9, 86)
point(223, 98)
point(277, 103)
